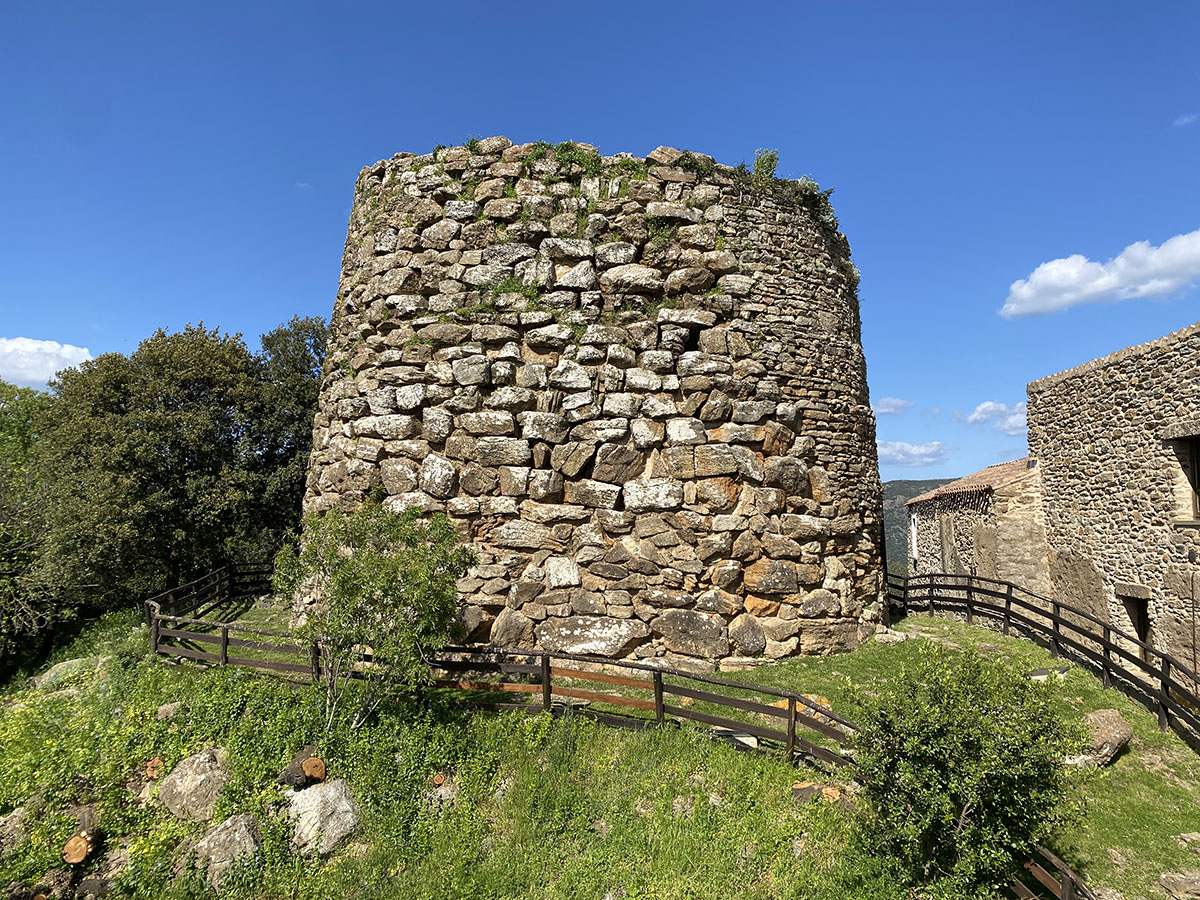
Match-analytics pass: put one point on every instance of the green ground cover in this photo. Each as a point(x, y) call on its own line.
point(546, 808)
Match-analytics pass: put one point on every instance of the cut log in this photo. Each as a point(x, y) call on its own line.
point(154, 768)
point(305, 768)
point(805, 791)
point(81, 845)
point(313, 768)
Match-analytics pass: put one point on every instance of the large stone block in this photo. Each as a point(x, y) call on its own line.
point(653, 494)
point(693, 633)
point(600, 636)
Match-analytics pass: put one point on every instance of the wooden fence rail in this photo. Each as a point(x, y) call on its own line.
point(1156, 678)
point(790, 723)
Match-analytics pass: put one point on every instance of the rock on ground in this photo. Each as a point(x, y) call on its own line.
point(1181, 885)
point(12, 831)
point(322, 816)
point(68, 670)
point(1109, 733)
point(190, 791)
point(234, 840)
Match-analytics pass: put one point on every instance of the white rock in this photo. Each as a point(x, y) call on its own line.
point(322, 816)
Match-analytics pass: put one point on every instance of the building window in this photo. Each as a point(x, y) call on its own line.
point(1187, 451)
point(912, 536)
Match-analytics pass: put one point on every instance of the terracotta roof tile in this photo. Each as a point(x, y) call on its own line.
point(979, 482)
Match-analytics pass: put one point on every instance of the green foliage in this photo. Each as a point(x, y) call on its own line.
point(962, 763)
point(568, 153)
point(803, 192)
point(186, 454)
point(473, 144)
point(512, 285)
point(700, 165)
point(288, 377)
point(21, 616)
point(627, 165)
point(546, 808)
point(661, 231)
point(765, 162)
point(386, 582)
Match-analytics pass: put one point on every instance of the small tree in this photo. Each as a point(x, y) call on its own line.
point(386, 585)
point(963, 765)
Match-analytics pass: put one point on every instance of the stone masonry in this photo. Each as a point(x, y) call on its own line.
point(988, 524)
point(1109, 437)
point(635, 385)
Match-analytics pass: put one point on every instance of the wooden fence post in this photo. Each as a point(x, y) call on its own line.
point(970, 601)
point(315, 658)
point(154, 626)
point(1008, 598)
point(904, 595)
point(546, 683)
point(1164, 694)
point(931, 596)
point(791, 731)
point(658, 697)
point(224, 645)
point(1068, 886)
point(1054, 629)
point(1107, 661)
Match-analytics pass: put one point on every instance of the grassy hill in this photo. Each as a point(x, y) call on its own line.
point(895, 517)
point(544, 808)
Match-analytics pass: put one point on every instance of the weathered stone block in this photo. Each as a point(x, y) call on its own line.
point(693, 633)
point(596, 635)
point(653, 493)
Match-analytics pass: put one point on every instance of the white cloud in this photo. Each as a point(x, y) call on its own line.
point(1186, 119)
point(1005, 418)
point(900, 453)
point(31, 363)
point(890, 406)
point(1140, 270)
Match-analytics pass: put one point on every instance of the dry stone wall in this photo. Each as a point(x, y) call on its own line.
point(994, 533)
point(635, 385)
point(1119, 521)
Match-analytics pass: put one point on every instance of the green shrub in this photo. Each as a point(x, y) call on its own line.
point(765, 162)
point(963, 768)
point(386, 584)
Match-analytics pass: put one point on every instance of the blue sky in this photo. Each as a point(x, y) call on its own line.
point(169, 163)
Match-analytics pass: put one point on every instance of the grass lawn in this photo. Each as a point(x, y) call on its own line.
point(1137, 807)
point(546, 808)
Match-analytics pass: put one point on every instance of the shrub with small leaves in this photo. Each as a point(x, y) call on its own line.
point(387, 598)
point(962, 762)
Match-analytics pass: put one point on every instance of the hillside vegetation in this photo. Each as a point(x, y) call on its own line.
point(533, 806)
point(895, 517)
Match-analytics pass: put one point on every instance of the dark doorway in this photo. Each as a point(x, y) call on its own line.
point(1138, 610)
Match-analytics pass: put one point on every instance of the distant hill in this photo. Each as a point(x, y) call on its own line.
point(895, 517)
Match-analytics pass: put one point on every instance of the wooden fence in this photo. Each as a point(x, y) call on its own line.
point(792, 724)
point(1154, 677)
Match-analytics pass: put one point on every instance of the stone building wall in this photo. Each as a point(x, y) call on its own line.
point(636, 386)
point(992, 527)
point(946, 532)
point(1117, 501)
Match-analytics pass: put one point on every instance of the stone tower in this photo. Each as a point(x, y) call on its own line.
point(636, 385)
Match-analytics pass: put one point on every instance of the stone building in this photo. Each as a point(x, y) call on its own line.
point(635, 385)
point(1118, 440)
point(987, 524)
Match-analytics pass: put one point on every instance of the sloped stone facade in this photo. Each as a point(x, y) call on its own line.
point(989, 524)
point(636, 386)
point(1120, 515)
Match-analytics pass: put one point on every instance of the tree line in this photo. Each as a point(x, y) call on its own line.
point(133, 474)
